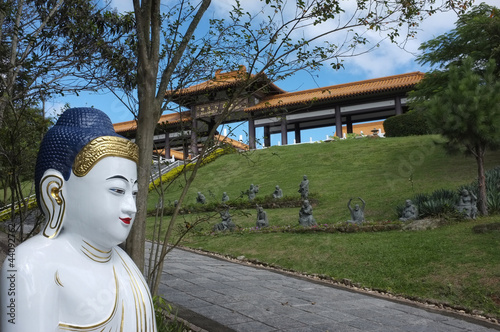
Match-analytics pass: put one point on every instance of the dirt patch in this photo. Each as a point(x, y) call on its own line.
point(422, 224)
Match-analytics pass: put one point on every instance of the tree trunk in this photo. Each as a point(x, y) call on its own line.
point(481, 181)
point(146, 124)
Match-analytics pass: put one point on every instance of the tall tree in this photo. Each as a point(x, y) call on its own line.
point(467, 113)
point(459, 94)
point(277, 39)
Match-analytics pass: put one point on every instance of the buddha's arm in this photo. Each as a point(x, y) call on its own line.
point(28, 299)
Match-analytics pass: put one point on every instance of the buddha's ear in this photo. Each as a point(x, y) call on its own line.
point(52, 201)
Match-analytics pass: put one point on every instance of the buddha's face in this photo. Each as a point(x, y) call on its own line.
point(100, 206)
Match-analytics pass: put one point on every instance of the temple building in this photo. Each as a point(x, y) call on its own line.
point(237, 96)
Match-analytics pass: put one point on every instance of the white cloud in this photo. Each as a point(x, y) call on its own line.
point(122, 6)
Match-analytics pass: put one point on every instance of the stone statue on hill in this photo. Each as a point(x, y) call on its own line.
point(225, 197)
point(252, 191)
point(278, 192)
point(200, 198)
point(261, 217)
point(358, 213)
point(304, 188)
point(306, 218)
point(410, 211)
point(226, 223)
point(467, 204)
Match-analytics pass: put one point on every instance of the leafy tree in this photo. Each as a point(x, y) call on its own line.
point(19, 141)
point(459, 95)
point(476, 36)
point(54, 47)
point(467, 113)
point(272, 42)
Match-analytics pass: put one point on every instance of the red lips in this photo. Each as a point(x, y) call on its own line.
point(126, 221)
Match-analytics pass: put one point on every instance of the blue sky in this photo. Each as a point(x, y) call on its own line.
point(388, 59)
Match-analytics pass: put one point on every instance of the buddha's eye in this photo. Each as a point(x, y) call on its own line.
point(118, 191)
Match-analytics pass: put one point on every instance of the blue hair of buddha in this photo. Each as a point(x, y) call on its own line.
point(73, 130)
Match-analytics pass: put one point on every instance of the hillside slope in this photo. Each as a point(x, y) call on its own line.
point(384, 172)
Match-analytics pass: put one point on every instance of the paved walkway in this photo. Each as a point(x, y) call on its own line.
point(219, 295)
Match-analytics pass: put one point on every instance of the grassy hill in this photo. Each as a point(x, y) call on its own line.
point(450, 264)
point(384, 172)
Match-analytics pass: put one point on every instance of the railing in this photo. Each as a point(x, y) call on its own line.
point(165, 168)
point(5, 210)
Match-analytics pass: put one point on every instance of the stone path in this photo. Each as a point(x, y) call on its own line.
point(219, 295)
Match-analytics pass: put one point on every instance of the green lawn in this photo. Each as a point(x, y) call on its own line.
point(450, 264)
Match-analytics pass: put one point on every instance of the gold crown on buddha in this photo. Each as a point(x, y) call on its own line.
point(104, 146)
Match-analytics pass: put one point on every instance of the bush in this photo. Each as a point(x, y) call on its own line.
point(412, 123)
point(240, 203)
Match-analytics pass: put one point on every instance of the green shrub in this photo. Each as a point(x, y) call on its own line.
point(412, 123)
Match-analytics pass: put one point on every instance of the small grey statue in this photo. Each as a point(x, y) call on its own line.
point(278, 193)
point(305, 215)
point(200, 198)
point(226, 223)
point(467, 204)
point(358, 213)
point(410, 211)
point(304, 188)
point(252, 192)
point(225, 197)
point(261, 217)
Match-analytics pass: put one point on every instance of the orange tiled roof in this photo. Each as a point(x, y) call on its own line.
point(176, 154)
point(122, 127)
point(340, 91)
point(219, 82)
point(233, 142)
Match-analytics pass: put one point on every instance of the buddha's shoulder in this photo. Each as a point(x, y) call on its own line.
point(39, 253)
point(124, 257)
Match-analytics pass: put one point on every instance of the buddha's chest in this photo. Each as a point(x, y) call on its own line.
point(111, 296)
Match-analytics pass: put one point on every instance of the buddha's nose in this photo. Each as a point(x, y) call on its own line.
point(129, 206)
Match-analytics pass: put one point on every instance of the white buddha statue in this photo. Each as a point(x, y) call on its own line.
point(73, 276)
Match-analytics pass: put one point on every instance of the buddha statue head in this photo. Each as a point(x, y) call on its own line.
point(86, 179)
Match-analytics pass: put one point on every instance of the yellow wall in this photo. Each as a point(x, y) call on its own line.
point(366, 128)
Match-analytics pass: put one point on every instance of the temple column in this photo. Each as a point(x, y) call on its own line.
point(194, 134)
point(399, 109)
point(297, 133)
point(338, 122)
point(284, 136)
point(267, 136)
point(185, 149)
point(167, 146)
point(349, 124)
point(251, 132)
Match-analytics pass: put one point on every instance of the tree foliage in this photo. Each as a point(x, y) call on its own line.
point(19, 141)
point(54, 47)
point(476, 36)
